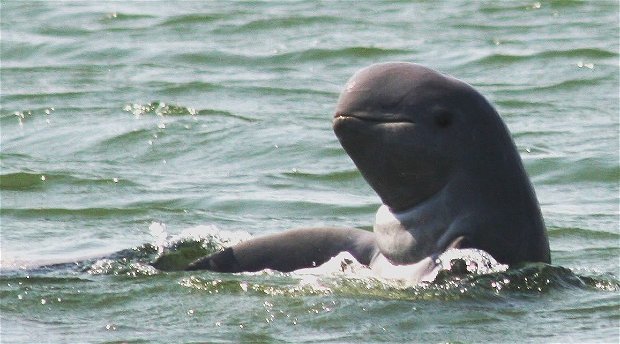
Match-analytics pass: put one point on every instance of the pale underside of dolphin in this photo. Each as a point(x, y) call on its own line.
point(444, 165)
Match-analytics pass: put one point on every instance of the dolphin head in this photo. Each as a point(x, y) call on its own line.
point(401, 123)
point(432, 147)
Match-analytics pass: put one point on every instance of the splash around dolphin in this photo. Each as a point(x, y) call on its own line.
point(445, 167)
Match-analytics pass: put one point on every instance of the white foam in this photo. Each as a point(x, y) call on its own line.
point(477, 262)
point(345, 265)
point(209, 233)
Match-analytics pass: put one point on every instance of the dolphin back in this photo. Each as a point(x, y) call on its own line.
point(291, 250)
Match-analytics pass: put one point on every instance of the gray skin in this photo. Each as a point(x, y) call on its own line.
point(442, 162)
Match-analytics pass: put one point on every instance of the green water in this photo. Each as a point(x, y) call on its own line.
point(213, 118)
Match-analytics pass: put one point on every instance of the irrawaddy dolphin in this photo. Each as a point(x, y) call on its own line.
point(444, 165)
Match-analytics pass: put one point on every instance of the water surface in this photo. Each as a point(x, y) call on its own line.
point(213, 119)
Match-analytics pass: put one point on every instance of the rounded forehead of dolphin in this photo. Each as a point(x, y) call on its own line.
point(395, 84)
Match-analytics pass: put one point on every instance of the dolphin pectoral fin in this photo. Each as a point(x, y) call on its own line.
point(457, 243)
point(291, 250)
point(223, 261)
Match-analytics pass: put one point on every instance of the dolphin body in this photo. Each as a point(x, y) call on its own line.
point(445, 167)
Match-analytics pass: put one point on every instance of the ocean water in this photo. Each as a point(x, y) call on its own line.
point(134, 129)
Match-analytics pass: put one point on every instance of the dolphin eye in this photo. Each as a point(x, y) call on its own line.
point(443, 119)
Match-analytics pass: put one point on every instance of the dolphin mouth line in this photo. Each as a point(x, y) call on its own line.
point(366, 118)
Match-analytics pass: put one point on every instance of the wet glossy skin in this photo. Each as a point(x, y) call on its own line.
point(444, 165)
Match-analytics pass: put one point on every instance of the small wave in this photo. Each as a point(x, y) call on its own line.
point(26, 115)
point(159, 109)
point(119, 16)
point(307, 55)
point(122, 267)
point(263, 283)
point(163, 109)
point(94, 212)
point(568, 84)
point(555, 169)
point(582, 53)
point(544, 277)
point(124, 140)
point(278, 23)
point(346, 175)
point(581, 84)
point(468, 274)
point(506, 6)
point(502, 7)
point(270, 90)
point(177, 252)
point(464, 274)
point(191, 19)
point(165, 253)
point(50, 96)
point(585, 53)
point(63, 68)
point(214, 58)
point(172, 88)
point(45, 280)
point(21, 181)
point(581, 233)
point(520, 104)
point(528, 281)
point(64, 31)
point(348, 52)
